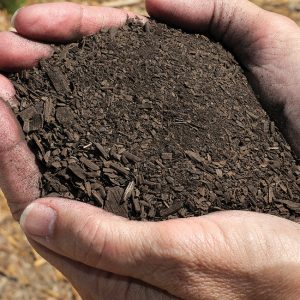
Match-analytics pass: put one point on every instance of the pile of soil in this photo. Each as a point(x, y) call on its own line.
point(152, 123)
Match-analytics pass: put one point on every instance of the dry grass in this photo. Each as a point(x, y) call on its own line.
point(23, 273)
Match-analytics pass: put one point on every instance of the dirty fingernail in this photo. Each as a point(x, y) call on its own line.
point(38, 220)
point(13, 18)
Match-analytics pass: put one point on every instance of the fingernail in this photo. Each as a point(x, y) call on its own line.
point(13, 18)
point(38, 220)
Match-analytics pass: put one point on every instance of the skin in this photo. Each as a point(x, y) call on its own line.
point(228, 255)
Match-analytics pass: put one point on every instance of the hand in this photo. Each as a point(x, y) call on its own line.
point(231, 255)
point(224, 255)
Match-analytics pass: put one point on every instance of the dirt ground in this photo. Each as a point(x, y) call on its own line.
point(23, 273)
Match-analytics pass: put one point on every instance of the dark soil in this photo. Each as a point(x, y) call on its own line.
point(153, 123)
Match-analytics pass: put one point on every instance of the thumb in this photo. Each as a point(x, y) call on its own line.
point(93, 237)
point(7, 91)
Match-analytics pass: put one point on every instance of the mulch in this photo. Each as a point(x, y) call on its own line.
point(152, 123)
point(25, 275)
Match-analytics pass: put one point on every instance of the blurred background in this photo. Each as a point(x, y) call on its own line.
point(23, 273)
point(289, 8)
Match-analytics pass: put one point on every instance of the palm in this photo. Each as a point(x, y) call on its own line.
point(211, 251)
point(109, 286)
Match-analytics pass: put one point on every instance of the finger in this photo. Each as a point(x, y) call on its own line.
point(62, 22)
point(19, 174)
point(102, 240)
point(7, 91)
point(96, 284)
point(19, 53)
point(82, 277)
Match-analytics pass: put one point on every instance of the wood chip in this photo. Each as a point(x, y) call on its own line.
point(194, 156)
point(290, 205)
point(114, 200)
point(98, 198)
point(89, 164)
point(167, 156)
point(59, 80)
point(136, 205)
point(128, 192)
point(176, 206)
point(78, 171)
point(65, 116)
point(131, 157)
point(48, 109)
point(103, 152)
point(120, 169)
point(27, 113)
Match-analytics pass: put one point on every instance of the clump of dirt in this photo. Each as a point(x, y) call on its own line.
point(153, 123)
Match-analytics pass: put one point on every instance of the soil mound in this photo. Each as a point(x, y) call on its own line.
point(152, 123)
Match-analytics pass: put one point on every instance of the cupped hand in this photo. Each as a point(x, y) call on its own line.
point(230, 255)
point(220, 256)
